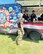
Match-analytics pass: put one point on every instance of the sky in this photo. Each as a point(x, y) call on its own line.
point(7, 1)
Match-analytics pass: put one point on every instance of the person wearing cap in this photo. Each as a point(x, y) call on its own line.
point(20, 28)
point(25, 15)
point(33, 16)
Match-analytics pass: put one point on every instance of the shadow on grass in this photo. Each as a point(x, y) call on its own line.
point(28, 39)
point(13, 37)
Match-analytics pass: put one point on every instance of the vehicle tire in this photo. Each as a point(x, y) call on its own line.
point(34, 35)
point(25, 36)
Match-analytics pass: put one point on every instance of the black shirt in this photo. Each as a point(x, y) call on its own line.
point(25, 16)
point(32, 17)
point(19, 22)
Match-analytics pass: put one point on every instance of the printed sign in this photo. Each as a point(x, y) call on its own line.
point(9, 15)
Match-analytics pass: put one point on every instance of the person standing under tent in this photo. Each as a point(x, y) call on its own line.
point(33, 16)
point(25, 15)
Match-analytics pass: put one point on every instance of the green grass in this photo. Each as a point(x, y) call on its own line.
point(8, 46)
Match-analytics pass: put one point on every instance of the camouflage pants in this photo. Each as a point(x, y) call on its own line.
point(19, 37)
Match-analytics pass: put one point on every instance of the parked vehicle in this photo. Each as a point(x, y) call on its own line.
point(8, 16)
point(34, 29)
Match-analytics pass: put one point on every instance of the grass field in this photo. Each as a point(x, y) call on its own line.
point(8, 46)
